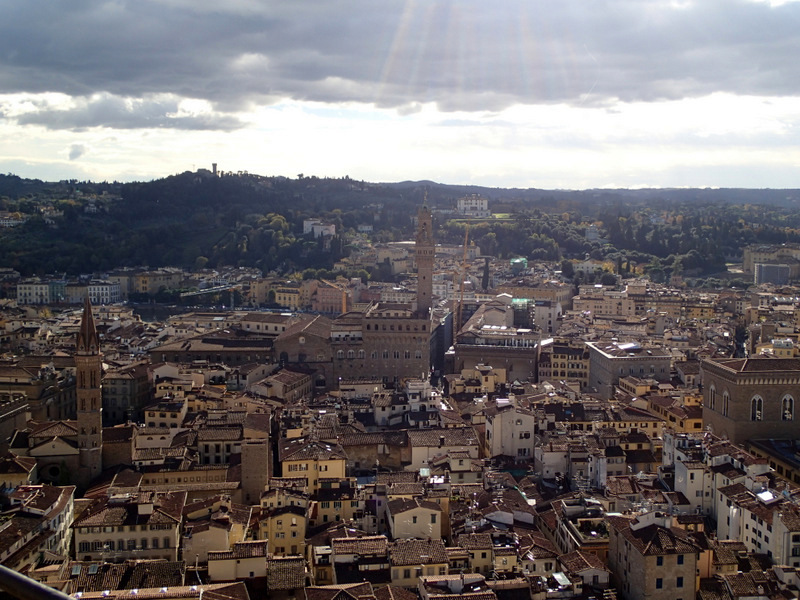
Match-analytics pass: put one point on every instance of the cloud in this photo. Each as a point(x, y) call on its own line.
point(105, 110)
point(76, 151)
point(464, 55)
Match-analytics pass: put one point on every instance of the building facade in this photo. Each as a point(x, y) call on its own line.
point(747, 398)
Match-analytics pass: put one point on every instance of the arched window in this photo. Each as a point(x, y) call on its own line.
point(340, 354)
point(757, 408)
point(351, 354)
point(787, 408)
point(725, 401)
point(360, 354)
point(712, 397)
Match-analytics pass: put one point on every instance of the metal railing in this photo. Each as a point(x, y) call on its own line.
point(24, 588)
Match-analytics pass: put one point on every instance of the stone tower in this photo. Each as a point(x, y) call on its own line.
point(255, 469)
point(425, 251)
point(88, 365)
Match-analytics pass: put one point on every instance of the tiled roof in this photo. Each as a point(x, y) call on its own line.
point(417, 552)
point(348, 591)
point(581, 561)
point(401, 505)
point(416, 488)
point(286, 573)
point(16, 464)
point(252, 549)
point(209, 591)
point(475, 541)
point(456, 436)
point(54, 429)
point(302, 449)
point(108, 512)
point(367, 545)
point(653, 540)
point(219, 434)
point(757, 364)
point(390, 592)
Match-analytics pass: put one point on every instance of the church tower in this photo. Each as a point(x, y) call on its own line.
point(424, 256)
point(88, 364)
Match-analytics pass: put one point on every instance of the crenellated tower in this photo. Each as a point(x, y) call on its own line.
point(425, 251)
point(88, 364)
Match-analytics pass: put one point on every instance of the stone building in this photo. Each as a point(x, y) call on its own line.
point(609, 362)
point(651, 559)
point(88, 365)
point(747, 398)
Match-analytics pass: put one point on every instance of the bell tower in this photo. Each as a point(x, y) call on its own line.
point(88, 365)
point(424, 254)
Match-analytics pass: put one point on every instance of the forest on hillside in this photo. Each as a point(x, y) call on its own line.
point(196, 219)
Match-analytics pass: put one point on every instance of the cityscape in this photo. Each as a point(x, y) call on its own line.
point(414, 419)
point(442, 300)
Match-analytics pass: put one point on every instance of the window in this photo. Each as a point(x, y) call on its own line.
point(787, 408)
point(433, 518)
point(725, 400)
point(414, 519)
point(680, 559)
point(757, 408)
point(659, 583)
point(659, 560)
point(712, 397)
point(679, 582)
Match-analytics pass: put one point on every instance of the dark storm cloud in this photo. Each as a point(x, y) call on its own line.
point(462, 55)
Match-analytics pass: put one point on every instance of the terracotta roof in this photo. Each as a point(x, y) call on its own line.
point(251, 549)
point(390, 592)
point(653, 539)
point(348, 591)
point(456, 436)
point(11, 463)
point(54, 429)
point(581, 561)
point(218, 434)
point(303, 449)
point(372, 544)
point(401, 505)
point(475, 541)
point(108, 512)
point(210, 591)
point(759, 364)
point(286, 573)
point(417, 552)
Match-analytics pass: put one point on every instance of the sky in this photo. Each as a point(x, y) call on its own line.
point(566, 94)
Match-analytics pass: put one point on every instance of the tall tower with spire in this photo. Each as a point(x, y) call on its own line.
point(88, 365)
point(425, 251)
